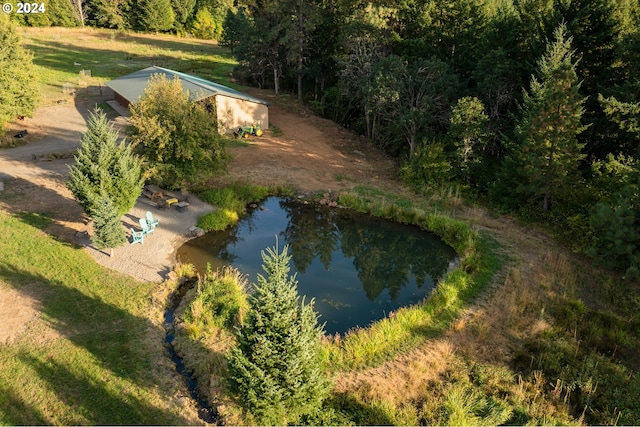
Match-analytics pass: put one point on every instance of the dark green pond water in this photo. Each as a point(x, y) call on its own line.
point(357, 267)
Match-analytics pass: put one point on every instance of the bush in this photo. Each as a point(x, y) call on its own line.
point(220, 300)
point(218, 220)
point(178, 138)
point(429, 165)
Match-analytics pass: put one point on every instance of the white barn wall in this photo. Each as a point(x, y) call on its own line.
point(233, 113)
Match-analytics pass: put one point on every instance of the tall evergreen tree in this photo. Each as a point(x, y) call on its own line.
point(595, 32)
point(110, 13)
point(105, 167)
point(156, 15)
point(183, 10)
point(18, 83)
point(234, 26)
point(108, 232)
point(275, 369)
point(548, 150)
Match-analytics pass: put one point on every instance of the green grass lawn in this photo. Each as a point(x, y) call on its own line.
point(90, 354)
point(61, 53)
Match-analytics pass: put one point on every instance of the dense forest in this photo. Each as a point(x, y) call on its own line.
point(532, 106)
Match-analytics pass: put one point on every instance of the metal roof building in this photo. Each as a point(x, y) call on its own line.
point(234, 108)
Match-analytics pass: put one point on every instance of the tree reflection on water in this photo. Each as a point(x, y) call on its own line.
point(357, 267)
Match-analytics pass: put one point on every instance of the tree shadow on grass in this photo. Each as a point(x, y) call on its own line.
point(92, 399)
point(42, 208)
point(14, 411)
point(361, 413)
point(109, 385)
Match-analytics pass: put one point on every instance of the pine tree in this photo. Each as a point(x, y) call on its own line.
point(18, 83)
point(109, 13)
point(275, 369)
point(108, 230)
point(156, 15)
point(549, 122)
point(104, 166)
point(183, 11)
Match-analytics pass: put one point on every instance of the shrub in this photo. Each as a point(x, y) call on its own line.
point(178, 138)
point(220, 300)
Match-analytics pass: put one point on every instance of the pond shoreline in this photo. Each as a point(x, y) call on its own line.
point(359, 268)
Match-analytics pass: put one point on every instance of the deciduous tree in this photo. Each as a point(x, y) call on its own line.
point(469, 133)
point(177, 137)
point(204, 27)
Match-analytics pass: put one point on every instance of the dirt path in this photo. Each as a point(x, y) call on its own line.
point(311, 154)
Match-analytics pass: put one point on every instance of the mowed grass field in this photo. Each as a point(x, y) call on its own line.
point(60, 54)
point(86, 343)
point(88, 349)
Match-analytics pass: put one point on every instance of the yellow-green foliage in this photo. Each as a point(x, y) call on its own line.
point(231, 202)
point(220, 301)
point(218, 219)
point(185, 270)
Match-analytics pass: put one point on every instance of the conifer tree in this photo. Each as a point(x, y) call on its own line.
point(104, 166)
point(275, 369)
point(18, 83)
point(548, 150)
point(108, 232)
point(156, 15)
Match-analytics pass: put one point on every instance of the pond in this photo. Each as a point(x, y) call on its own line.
point(358, 268)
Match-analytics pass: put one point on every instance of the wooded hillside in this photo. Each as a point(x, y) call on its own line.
point(532, 105)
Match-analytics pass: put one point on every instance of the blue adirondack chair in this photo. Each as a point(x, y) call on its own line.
point(151, 221)
point(144, 226)
point(137, 236)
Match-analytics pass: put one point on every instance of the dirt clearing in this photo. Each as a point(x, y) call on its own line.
point(309, 153)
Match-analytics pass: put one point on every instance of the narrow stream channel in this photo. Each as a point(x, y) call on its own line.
point(205, 411)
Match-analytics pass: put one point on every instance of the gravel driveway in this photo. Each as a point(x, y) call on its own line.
point(35, 182)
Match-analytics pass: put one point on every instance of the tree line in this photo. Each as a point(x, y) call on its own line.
point(200, 18)
point(532, 105)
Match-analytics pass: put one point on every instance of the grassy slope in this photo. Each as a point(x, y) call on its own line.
point(556, 342)
point(93, 354)
point(87, 358)
point(110, 54)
